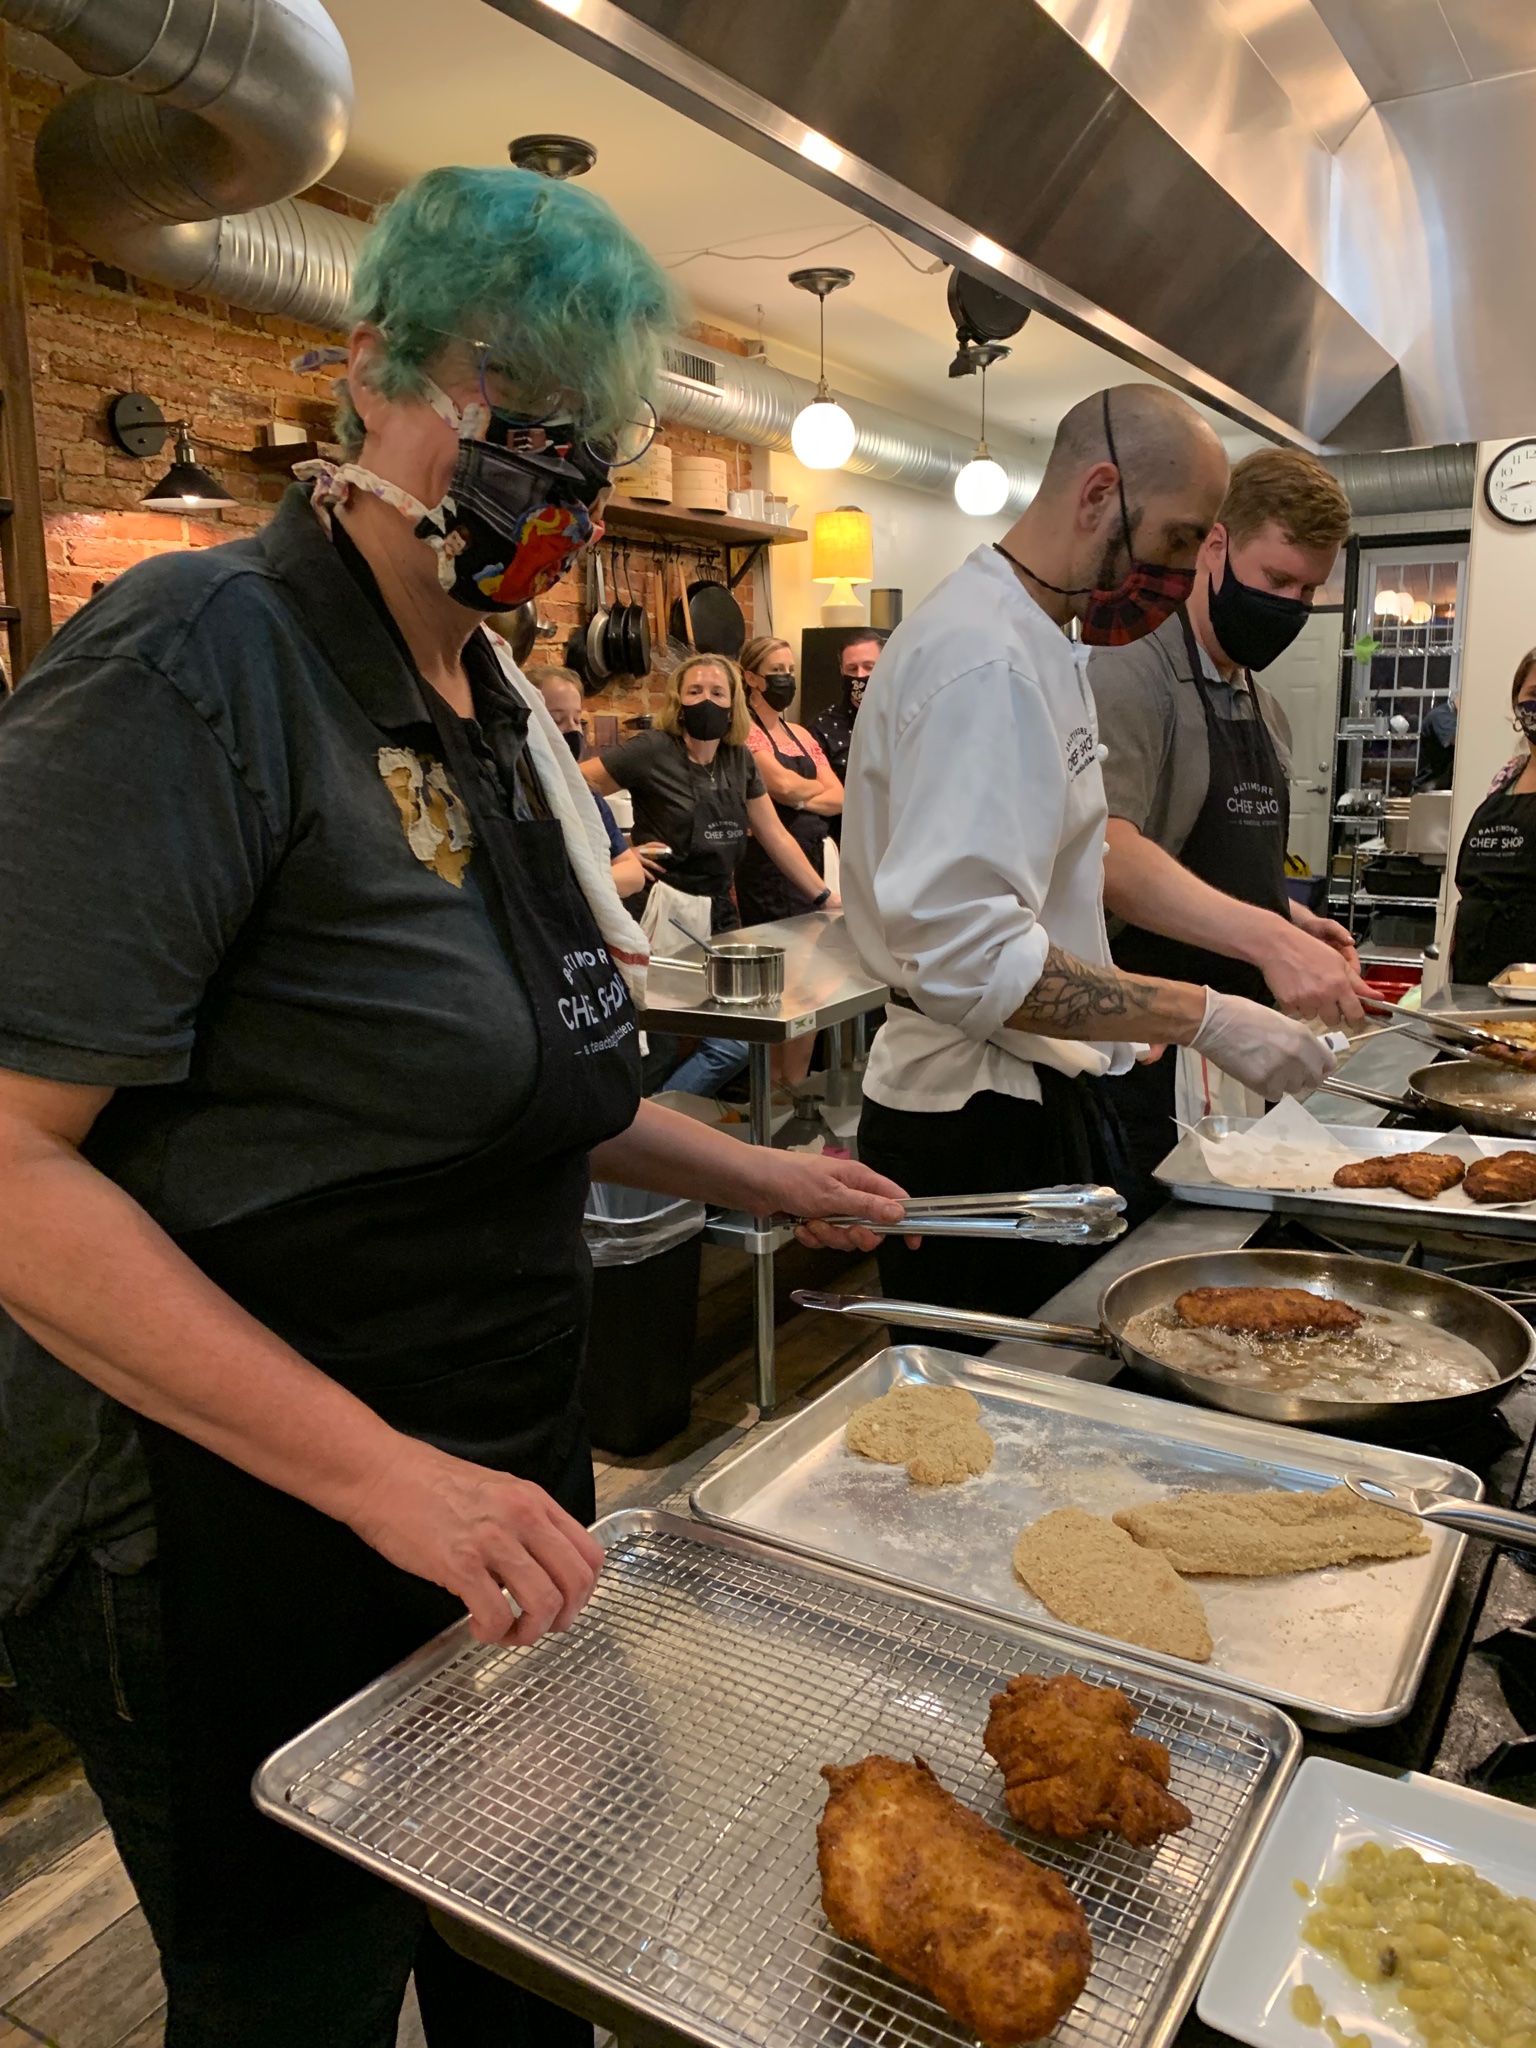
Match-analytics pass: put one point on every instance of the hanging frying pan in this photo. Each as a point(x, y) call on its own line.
point(719, 626)
point(597, 628)
point(637, 628)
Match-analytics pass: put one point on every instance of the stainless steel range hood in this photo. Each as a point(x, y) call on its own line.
point(988, 133)
point(1313, 214)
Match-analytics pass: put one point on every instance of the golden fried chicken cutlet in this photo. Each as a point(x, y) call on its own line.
point(1506, 1177)
point(1071, 1765)
point(1265, 1311)
point(947, 1902)
point(1420, 1175)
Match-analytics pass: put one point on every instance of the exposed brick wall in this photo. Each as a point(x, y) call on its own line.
point(95, 332)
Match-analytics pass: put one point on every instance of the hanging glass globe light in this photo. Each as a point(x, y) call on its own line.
point(981, 488)
point(823, 434)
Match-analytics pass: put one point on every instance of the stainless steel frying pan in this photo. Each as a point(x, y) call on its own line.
point(1505, 1339)
point(1493, 1101)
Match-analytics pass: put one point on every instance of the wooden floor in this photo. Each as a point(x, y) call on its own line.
point(77, 1966)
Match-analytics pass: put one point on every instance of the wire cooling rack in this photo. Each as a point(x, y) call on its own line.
point(635, 1802)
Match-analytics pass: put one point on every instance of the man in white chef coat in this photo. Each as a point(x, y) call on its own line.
point(973, 853)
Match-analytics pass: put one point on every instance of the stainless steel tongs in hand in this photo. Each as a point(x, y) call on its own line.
point(1449, 1034)
point(1076, 1213)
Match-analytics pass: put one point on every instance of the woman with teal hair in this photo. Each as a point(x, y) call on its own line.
point(317, 1019)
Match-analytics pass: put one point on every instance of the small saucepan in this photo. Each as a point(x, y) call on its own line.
point(737, 972)
point(1504, 1338)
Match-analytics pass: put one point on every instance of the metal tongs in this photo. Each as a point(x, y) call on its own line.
point(1471, 1517)
point(1075, 1213)
point(1445, 1034)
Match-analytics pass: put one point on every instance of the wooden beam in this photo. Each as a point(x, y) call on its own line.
point(22, 547)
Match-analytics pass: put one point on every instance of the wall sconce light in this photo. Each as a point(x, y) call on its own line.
point(140, 428)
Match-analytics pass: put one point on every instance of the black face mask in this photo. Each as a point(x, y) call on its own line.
point(1253, 627)
point(576, 741)
point(779, 691)
point(706, 720)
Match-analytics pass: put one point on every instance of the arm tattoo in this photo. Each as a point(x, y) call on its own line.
point(1071, 995)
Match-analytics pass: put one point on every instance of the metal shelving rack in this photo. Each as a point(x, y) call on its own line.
point(1414, 667)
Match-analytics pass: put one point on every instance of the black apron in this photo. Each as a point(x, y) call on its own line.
point(452, 1300)
point(1496, 874)
point(762, 891)
point(716, 844)
point(1237, 845)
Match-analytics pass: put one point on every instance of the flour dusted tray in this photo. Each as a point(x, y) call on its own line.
point(634, 1803)
point(1341, 1648)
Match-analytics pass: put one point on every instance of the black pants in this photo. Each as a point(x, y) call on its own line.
point(89, 1660)
point(996, 1143)
point(1143, 1100)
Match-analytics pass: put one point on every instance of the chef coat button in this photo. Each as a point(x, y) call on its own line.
point(1101, 752)
point(1107, 847)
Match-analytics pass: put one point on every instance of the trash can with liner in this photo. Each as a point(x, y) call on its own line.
point(645, 1303)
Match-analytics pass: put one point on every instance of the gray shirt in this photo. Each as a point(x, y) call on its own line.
point(208, 902)
point(1158, 770)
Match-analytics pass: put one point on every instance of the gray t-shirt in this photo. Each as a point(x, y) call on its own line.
point(1158, 769)
point(209, 903)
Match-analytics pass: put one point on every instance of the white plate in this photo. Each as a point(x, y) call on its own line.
point(1330, 1808)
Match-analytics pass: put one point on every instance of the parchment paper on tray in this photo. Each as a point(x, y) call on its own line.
point(1289, 1150)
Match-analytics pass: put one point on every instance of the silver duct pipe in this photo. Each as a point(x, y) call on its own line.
point(1408, 479)
point(748, 399)
point(201, 111)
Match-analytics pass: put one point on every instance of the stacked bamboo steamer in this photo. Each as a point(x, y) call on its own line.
point(699, 483)
point(650, 479)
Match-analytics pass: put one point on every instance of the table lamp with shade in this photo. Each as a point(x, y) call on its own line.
point(842, 554)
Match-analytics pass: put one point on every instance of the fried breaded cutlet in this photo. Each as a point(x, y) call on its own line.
point(1259, 1535)
point(1265, 1311)
point(1506, 1177)
point(1071, 1765)
point(947, 1902)
point(1420, 1175)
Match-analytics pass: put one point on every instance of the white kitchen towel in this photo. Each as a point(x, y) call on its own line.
point(662, 905)
point(585, 840)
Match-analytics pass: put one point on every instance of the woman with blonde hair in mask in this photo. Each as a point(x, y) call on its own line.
point(797, 776)
point(310, 1041)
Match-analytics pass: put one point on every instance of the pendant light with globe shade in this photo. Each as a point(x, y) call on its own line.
point(823, 434)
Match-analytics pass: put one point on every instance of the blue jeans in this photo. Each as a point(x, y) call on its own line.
point(709, 1066)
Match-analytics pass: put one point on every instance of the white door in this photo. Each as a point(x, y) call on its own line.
point(1305, 683)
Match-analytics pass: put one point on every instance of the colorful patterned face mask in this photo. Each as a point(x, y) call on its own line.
point(509, 526)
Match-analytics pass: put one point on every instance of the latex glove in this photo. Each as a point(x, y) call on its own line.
point(1271, 1054)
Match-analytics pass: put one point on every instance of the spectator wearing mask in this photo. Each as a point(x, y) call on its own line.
point(834, 728)
point(1496, 868)
point(798, 777)
point(561, 690)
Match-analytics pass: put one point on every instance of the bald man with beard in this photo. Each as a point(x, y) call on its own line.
point(973, 854)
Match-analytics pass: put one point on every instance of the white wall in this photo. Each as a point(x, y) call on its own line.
point(1500, 627)
point(918, 538)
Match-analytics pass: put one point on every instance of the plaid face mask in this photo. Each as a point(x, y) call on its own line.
point(1143, 598)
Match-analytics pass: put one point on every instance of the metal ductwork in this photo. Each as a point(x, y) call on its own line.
point(1409, 479)
point(746, 398)
point(179, 161)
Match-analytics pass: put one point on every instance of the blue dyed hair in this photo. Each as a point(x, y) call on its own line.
point(543, 272)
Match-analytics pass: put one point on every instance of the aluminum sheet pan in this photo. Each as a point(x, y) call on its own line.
point(635, 1802)
point(1187, 1177)
point(1343, 1648)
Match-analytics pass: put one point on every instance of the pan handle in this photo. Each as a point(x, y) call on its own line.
point(1470, 1517)
point(960, 1322)
point(1332, 1085)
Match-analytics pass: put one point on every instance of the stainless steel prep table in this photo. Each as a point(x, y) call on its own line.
point(823, 985)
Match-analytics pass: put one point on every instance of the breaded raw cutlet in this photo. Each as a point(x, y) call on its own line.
point(1259, 1535)
point(1089, 1573)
